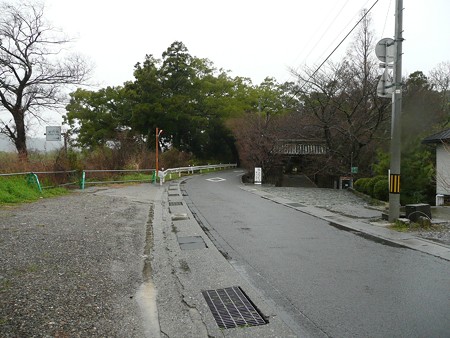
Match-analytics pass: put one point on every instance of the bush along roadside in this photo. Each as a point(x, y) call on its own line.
point(376, 187)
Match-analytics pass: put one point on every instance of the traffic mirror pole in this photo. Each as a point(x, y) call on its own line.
point(394, 179)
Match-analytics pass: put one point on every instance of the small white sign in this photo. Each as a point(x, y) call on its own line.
point(258, 175)
point(53, 133)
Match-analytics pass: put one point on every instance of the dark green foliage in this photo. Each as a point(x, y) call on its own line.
point(417, 173)
point(361, 184)
point(381, 190)
point(99, 114)
point(382, 162)
point(371, 184)
point(182, 95)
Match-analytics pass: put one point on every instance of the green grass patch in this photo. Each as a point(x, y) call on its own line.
point(407, 227)
point(17, 190)
point(136, 177)
point(400, 226)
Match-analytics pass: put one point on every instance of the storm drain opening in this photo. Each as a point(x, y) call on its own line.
point(296, 205)
point(172, 204)
point(179, 217)
point(172, 195)
point(231, 308)
point(191, 243)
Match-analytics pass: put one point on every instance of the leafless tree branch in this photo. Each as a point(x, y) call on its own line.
point(34, 71)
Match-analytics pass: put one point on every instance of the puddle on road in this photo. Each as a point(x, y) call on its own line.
point(146, 299)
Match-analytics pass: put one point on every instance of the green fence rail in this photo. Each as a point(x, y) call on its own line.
point(33, 178)
point(85, 173)
point(82, 177)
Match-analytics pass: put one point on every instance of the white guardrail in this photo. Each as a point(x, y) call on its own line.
point(162, 174)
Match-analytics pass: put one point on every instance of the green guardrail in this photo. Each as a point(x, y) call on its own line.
point(32, 178)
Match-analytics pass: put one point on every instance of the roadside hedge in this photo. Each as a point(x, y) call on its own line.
point(376, 187)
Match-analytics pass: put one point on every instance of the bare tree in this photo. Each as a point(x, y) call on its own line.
point(256, 137)
point(341, 98)
point(35, 69)
point(440, 79)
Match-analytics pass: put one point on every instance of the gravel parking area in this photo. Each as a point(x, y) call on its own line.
point(71, 267)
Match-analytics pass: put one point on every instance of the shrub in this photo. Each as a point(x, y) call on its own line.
point(360, 185)
point(381, 190)
point(371, 184)
point(174, 158)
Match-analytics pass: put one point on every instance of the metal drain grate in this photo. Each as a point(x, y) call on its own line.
point(172, 204)
point(231, 308)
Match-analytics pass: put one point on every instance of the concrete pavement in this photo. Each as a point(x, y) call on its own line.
point(128, 249)
point(180, 275)
point(349, 213)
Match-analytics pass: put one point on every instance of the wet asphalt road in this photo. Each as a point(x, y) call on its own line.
point(320, 279)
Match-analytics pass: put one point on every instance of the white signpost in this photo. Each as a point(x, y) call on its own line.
point(53, 133)
point(258, 175)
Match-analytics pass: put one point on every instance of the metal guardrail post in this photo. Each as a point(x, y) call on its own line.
point(33, 177)
point(83, 179)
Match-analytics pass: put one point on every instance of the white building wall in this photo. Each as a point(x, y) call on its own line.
point(443, 169)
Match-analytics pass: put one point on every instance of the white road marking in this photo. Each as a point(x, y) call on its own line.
point(216, 179)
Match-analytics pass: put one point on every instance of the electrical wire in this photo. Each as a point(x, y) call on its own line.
point(337, 36)
point(343, 29)
point(332, 52)
point(323, 34)
point(385, 20)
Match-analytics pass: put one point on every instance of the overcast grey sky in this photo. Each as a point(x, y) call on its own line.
point(252, 38)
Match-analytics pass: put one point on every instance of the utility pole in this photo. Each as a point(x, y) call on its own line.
point(394, 179)
point(389, 52)
point(156, 151)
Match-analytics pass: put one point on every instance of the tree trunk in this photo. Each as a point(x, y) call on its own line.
point(20, 137)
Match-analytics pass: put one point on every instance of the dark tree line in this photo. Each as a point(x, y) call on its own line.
point(183, 95)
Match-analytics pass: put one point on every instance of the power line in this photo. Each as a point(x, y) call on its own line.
point(326, 30)
point(385, 20)
point(332, 52)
